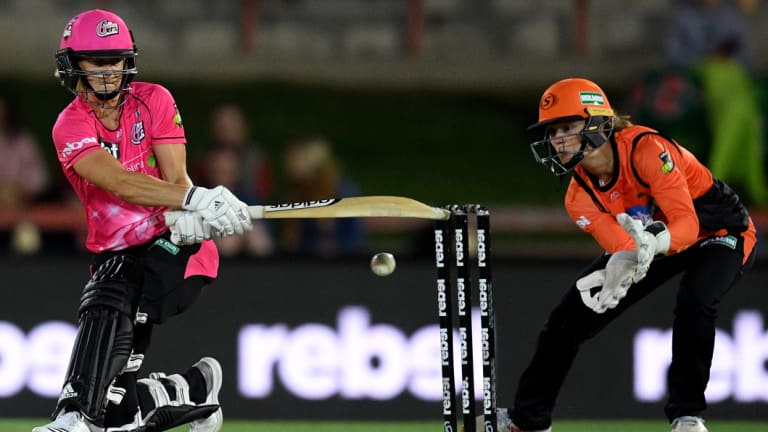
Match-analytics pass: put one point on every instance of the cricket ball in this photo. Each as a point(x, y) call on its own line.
point(383, 264)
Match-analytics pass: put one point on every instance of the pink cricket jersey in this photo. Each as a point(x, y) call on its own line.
point(149, 117)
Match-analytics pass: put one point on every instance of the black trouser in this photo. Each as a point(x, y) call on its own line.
point(709, 271)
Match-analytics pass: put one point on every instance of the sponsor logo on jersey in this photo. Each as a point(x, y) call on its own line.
point(591, 98)
point(641, 213)
point(107, 28)
point(667, 164)
point(137, 132)
point(111, 148)
point(583, 222)
point(77, 145)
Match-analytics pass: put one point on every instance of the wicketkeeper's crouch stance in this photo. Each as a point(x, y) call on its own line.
point(121, 145)
point(657, 212)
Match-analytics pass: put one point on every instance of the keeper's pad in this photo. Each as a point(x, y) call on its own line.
point(104, 336)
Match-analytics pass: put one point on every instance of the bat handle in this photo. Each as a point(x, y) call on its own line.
point(256, 211)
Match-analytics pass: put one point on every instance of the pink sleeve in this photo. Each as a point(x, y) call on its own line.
point(73, 138)
point(167, 127)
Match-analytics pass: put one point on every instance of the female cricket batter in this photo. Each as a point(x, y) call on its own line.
point(121, 145)
point(657, 212)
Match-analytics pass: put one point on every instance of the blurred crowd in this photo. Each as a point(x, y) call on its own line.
point(705, 95)
point(308, 170)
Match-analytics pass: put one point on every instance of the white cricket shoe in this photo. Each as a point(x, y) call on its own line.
point(210, 368)
point(688, 424)
point(71, 421)
point(503, 423)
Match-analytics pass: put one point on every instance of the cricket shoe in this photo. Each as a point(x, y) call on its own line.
point(688, 424)
point(210, 368)
point(503, 423)
point(71, 421)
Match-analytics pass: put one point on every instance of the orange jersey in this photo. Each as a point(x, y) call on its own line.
point(656, 179)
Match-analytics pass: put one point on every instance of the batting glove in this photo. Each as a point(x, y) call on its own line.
point(650, 240)
point(187, 227)
point(219, 208)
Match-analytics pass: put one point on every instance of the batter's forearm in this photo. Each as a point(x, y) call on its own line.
point(146, 190)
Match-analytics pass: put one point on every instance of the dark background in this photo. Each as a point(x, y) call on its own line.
point(313, 291)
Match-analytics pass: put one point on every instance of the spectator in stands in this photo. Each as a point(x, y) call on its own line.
point(23, 175)
point(234, 159)
point(709, 40)
point(314, 173)
point(223, 167)
point(737, 152)
point(700, 27)
point(229, 129)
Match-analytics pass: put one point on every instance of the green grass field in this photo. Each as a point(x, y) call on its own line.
point(13, 425)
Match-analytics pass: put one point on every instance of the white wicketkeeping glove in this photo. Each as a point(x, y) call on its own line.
point(187, 227)
point(615, 279)
point(650, 241)
point(220, 208)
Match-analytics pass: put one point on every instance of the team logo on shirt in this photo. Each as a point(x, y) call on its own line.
point(137, 132)
point(667, 164)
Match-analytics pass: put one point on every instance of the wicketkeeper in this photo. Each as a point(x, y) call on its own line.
point(657, 212)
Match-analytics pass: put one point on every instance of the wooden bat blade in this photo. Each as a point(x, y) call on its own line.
point(364, 206)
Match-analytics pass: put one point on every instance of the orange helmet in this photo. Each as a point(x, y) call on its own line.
point(571, 99)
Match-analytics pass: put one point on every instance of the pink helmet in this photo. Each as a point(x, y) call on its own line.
point(95, 34)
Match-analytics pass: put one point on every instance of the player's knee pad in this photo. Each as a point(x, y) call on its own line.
point(115, 284)
point(104, 338)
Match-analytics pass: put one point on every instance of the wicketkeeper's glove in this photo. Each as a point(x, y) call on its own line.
point(615, 280)
point(650, 240)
